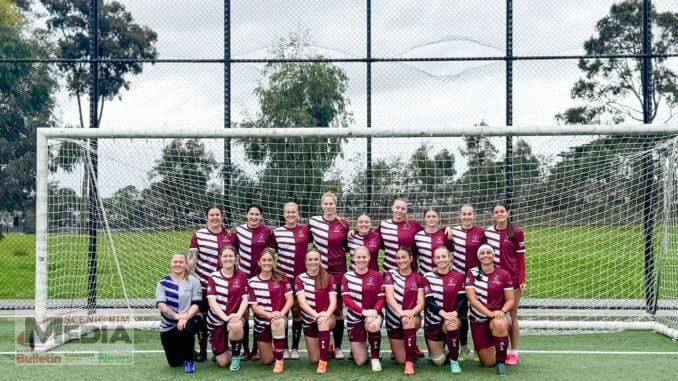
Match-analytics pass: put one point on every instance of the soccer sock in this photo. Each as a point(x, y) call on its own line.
point(375, 343)
point(500, 346)
point(338, 333)
point(410, 338)
point(235, 347)
point(452, 339)
point(323, 343)
point(463, 332)
point(246, 337)
point(279, 345)
point(296, 333)
point(286, 346)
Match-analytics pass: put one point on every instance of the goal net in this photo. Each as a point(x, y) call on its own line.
point(598, 205)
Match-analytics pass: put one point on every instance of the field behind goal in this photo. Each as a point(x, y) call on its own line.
point(599, 208)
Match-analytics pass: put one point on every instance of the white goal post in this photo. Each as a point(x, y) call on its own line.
point(580, 193)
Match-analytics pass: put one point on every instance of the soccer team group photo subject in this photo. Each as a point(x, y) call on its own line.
point(443, 280)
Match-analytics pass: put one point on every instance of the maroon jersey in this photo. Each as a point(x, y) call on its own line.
point(208, 245)
point(508, 253)
point(465, 247)
point(229, 293)
point(372, 241)
point(291, 246)
point(317, 299)
point(405, 290)
point(329, 237)
point(426, 244)
point(394, 235)
point(269, 295)
point(363, 290)
point(252, 243)
point(444, 288)
point(489, 289)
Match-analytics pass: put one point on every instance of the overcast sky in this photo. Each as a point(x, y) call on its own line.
point(404, 94)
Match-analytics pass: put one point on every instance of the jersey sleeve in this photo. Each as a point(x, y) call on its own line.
point(252, 298)
point(160, 296)
point(427, 288)
point(196, 290)
point(298, 285)
point(245, 287)
point(194, 241)
point(470, 280)
point(332, 285)
point(461, 289)
point(286, 285)
point(507, 282)
point(420, 281)
point(388, 280)
point(211, 288)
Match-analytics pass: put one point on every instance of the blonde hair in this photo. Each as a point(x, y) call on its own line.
point(275, 273)
point(186, 273)
point(328, 194)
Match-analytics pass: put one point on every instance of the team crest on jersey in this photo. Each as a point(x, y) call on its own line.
point(413, 287)
point(475, 238)
point(236, 283)
point(370, 281)
point(337, 229)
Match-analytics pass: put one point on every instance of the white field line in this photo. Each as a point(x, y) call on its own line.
point(543, 352)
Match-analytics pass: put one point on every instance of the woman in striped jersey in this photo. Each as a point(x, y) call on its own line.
point(291, 243)
point(271, 299)
point(429, 239)
point(508, 242)
point(363, 235)
point(253, 238)
point(445, 297)
point(329, 237)
point(404, 289)
point(177, 296)
point(396, 232)
point(205, 246)
point(489, 289)
point(363, 294)
point(227, 297)
point(316, 291)
point(466, 238)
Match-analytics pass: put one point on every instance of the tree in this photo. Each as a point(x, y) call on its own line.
point(180, 181)
point(483, 182)
point(120, 37)
point(297, 94)
point(611, 89)
point(26, 102)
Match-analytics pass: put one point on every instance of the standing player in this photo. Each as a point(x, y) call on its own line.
point(316, 292)
point(363, 235)
point(396, 232)
point(363, 294)
point(329, 237)
point(508, 242)
point(227, 297)
point(429, 239)
point(489, 289)
point(253, 238)
point(205, 247)
point(466, 239)
point(291, 243)
point(177, 296)
point(271, 300)
point(445, 297)
point(404, 289)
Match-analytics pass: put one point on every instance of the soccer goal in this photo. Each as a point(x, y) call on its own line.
point(598, 205)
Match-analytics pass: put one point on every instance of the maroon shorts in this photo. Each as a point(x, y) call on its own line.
point(357, 333)
point(482, 335)
point(263, 333)
point(396, 333)
point(219, 339)
point(434, 332)
point(311, 330)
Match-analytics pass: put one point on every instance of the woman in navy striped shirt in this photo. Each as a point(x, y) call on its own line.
point(177, 296)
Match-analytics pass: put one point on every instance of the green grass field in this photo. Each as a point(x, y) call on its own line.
point(572, 262)
point(592, 357)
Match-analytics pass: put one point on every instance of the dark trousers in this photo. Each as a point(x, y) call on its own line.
point(178, 345)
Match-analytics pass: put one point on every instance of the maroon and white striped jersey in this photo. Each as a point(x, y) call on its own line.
point(489, 290)
point(363, 291)
point(229, 293)
point(252, 243)
point(465, 244)
point(329, 237)
point(509, 254)
point(426, 244)
point(444, 288)
point(394, 235)
point(405, 291)
point(291, 246)
point(269, 295)
point(372, 241)
point(316, 298)
point(208, 245)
